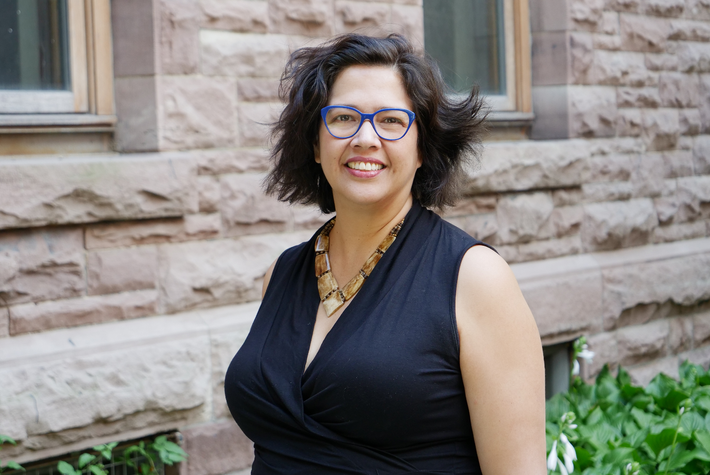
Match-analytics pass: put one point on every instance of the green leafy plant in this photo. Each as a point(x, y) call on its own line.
point(160, 449)
point(8, 465)
point(617, 428)
point(89, 463)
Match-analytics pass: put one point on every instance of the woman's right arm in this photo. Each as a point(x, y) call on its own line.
point(267, 278)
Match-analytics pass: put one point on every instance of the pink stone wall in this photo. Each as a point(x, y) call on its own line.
point(129, 279)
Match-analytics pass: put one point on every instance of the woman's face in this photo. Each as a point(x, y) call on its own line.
point(365, 169)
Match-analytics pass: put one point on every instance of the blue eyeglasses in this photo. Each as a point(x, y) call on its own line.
point(344, 122)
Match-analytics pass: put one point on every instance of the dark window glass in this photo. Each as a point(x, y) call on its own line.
point(467, 39)
point(34, 46)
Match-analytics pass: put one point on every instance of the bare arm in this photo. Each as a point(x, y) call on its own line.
point(502, 366)
point(267, 278)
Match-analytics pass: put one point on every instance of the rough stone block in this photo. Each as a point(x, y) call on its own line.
point(198, 112)
point(555, 297)
point(701, 155)
point(208, 192)
point(605, 352)
point(150, 232)
point(689, 30)
point(221, 272)
point(567, 197)
point(352, 16)
point(258, 90)
point(679, 90)
point(649, 173)
point(254, 120)
point(4, 322)
point(44, 316)
point(620, 68)
point(607, 42)
point(179, 36)
point(85, 190)
point(661, 128)
point(677, 163)
point(308, 217)
point(70, 396)
point(694, 196)
point(203, 225)
point(221, 162)
point(681, 280)
point(242, 54)
point(473, 205)
point(637, 97)
point(618, 224)
point(640, 33)
point(521, 217)
point(607, 191)
point(632, 6)
point(701, 329)
point(217, 448)
point(642, 343)
point(693, 57)
point(241, 16)
point(679, 232)
point(37, 265)
point(586, 15)
point(661, 62)
point(664, 8)
point(592, 111)
point(246, 210)
point(689, 121)
point(643, 374)
point(549, 249)
point(611, 167)
point(680, 335)
point(481, 226)
point(704, 107)
point(699, 9)
point(581, 52)
point(301, 17)
point(629, 123)
point(610, 23)
point(119, 270)
point(517, 166)
point(409, 21)
point(224, 345)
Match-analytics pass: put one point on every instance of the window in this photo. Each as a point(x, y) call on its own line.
point(484, 42)
point(57, 63)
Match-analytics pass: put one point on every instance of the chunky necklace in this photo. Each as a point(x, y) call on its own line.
point(330, 294)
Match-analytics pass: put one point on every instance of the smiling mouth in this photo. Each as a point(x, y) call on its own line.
point(365, 166)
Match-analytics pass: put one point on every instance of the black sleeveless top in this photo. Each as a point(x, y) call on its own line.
point(384, 394)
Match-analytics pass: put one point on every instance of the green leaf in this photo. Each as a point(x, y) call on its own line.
point(85, 459)
point(619, 456)
point(643, 419)
point(15, 466)
point(66, 469)
point(96, 470)
point(5, 439)
point(661, 440)
point(703, 402)
point(691, 421)
point(702, 438)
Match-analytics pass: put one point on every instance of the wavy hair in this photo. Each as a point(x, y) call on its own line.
point(449, 127)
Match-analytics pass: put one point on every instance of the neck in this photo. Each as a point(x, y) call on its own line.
point(358, 231)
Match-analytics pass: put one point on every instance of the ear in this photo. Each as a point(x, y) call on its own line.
point(316, 151)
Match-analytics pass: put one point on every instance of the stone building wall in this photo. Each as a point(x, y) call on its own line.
point(130, 277)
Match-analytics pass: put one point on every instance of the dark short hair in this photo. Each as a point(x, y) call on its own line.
point(449, 127)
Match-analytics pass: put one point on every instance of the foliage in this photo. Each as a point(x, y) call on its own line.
point(160, 450)
point(622, 429)
point(9, 465)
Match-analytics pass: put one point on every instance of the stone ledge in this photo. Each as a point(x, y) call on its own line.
point(49, 191)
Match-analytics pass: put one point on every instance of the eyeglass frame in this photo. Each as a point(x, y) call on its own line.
point(364, 117)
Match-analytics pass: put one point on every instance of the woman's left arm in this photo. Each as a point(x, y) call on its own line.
point(502, 366)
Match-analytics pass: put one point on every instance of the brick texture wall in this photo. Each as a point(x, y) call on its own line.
point(129, 279)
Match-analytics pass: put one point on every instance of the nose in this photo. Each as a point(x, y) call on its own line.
point(366, 137)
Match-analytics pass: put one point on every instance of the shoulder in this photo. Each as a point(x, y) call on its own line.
point(289, 259)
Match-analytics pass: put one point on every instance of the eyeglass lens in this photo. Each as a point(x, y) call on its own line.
point(389, 124)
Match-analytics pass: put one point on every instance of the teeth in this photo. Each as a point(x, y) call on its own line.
point(366, 166)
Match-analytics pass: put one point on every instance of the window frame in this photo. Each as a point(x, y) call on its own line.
point(514, 109)
point(90, 100)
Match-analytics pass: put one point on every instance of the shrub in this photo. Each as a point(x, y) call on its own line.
point(615, 428)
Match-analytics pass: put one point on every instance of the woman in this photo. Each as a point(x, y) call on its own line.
point(391, 340)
